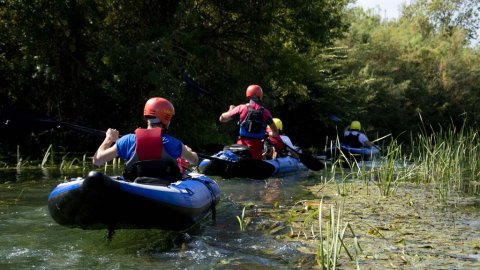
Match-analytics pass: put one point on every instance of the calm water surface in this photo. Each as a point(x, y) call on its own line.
point(30, 239)
point(409, 230)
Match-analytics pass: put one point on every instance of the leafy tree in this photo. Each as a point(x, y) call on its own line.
point(404, 70)
point(95, 63)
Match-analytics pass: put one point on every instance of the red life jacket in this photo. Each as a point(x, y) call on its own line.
point(149, 145)
point(150, 159)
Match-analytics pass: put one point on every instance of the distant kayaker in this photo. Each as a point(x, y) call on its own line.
point(145, 144)
point(354, 137)
point(278, 142)
point(253, 121)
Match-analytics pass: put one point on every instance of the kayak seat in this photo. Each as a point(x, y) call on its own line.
point(166, 170)
point(240, 150)
point(152, 181)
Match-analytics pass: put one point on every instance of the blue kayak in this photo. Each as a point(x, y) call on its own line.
point(219, 164)
point(99, 201)
point(287, 165)
point(357, 153)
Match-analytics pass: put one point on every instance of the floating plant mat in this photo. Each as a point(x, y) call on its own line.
point(410, 229)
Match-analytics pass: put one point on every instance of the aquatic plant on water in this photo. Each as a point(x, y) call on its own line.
point(244, 220)
point(331, 241)
point(308, 220)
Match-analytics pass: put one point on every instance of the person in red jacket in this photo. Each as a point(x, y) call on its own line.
point(253, 121)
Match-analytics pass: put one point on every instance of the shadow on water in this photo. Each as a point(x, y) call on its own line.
point(31, 239)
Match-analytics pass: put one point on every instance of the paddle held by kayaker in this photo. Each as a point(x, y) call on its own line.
point(147, 145)
point(254, 119)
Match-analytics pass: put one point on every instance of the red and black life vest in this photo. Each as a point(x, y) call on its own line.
point(253, 126)
point(150, 159)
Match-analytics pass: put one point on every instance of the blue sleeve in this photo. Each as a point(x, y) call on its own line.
point(172, 146)
point(126, 146)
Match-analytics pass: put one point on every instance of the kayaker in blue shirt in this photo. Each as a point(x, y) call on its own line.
point(354, 137)
point(144, 145)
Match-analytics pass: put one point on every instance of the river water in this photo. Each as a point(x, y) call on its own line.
point(30, 239)
point(411, 229)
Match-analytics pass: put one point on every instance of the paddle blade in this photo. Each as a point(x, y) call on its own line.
point(311, 162)
point(308, 160)
point(251, 168)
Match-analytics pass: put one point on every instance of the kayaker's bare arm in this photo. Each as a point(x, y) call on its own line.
point(189, 155)
point(225, 117)
point(274, 129)
point(368, 143)
point(106, 151)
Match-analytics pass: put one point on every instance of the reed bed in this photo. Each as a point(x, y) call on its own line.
point(332, 238)
point(323, 223)
point(449, 160)
point(67, 162)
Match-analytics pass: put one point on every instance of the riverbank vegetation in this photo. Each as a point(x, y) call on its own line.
point(95, 63)
point(405, 210)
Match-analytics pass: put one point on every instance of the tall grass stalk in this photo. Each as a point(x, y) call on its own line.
point(339, 174)
point(20, 162)
point(19, 159)
point(241, 220)
point(84, 162)
point(384, 173)
point(331, 241)
point(45, 156)
point(66, 165)
point(448, 160)
point(388, 172)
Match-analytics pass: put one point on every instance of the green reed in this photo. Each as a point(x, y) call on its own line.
point(331, 241)
point(46, 156)
point(20, 161)
point(244, 220)
point(385, 173)
point(328, 229)
point(448, 160)
point(389, 171)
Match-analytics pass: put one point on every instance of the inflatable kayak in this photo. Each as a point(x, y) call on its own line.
point(220, 164)
point(357, 153)
point(99, 201)
point(287, 165)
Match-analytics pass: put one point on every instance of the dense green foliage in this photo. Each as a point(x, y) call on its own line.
point(411, 68)
point(94, 63)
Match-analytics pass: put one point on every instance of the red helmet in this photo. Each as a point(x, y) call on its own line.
point(255, 91)
point(159, 108)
